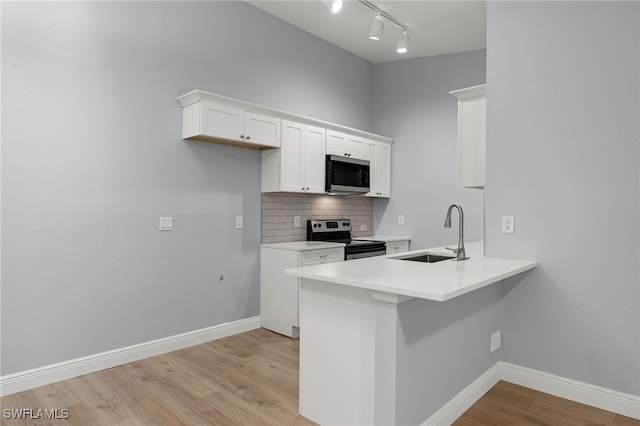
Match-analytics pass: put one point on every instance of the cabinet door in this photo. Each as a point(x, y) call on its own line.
point(379, 156)
point(344, 144)
point(314, 159)
point(291, 157)
point(262, 129)
point(336, 143)
point(471, 142)
point(383, 170)
point(354, 146)
point(370, 148)
point(222, 121)
point(472, 134)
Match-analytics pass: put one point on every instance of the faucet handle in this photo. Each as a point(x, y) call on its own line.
point(455, 250)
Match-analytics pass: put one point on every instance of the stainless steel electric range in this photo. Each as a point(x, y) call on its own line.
point(339, 231)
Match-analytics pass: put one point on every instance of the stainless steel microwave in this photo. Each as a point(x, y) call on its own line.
point(346, 175)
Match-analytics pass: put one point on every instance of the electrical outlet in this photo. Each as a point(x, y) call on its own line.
point(508, 224)
point(363, 227)
point(166, 224)
point(401, 220)
point(296, 221)
point(239, 224)
point(496, 340)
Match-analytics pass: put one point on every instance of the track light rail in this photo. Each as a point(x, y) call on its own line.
point(383, 14)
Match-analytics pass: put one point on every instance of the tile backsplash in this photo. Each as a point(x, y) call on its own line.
point(279, 211)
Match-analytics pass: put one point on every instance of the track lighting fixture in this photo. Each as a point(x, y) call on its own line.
point(375, 31)
point(403, 42)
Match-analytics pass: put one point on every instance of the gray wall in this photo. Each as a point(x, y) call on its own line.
point(92, 157)
point(449, 342)
point(412, 104)
point(563, 158)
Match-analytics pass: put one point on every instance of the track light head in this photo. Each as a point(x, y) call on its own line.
point(336, 6)
point(403, 43)
point(375, 31)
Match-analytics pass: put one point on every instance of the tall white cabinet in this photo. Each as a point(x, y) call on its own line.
point(472, 131)
point(298, 166)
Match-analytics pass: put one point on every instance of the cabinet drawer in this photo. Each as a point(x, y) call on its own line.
point(397, 246)
point(313, 257)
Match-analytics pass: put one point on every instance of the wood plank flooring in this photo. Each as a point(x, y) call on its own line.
point(510, 404)
point(246, 379)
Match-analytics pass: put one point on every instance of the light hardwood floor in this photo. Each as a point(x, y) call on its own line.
point(247, 379)
point(510, 404)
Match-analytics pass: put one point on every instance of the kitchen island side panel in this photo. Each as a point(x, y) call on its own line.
point(336, 354)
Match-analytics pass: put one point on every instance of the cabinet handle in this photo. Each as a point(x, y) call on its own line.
point(307, 188)
point(396, 247)
point(248, 137)
point(241, 136)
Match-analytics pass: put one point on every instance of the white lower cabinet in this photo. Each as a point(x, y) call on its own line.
point(279, 292)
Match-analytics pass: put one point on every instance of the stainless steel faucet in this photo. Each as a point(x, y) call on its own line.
point(460, 252)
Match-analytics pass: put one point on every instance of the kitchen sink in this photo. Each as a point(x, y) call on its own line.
point(427, 258)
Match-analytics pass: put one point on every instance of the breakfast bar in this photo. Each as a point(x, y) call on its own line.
point(357, 319)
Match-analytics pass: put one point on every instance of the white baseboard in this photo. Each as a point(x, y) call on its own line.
point(24, 380)
point(595, 396)
point(453, 409)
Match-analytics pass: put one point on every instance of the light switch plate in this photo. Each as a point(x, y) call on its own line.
point(401, 220)
point(508, 224)
point(239, 223)
point(166, 224)
point(296, 221)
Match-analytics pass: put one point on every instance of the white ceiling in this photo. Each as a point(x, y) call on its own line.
point(434, 27)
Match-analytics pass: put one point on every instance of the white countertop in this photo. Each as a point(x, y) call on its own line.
point(438, 281)
point(303, 245)
point(385, 238)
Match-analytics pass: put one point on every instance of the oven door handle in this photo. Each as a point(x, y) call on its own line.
point(363, 254)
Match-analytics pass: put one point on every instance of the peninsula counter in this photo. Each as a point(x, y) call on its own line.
point(351, 325)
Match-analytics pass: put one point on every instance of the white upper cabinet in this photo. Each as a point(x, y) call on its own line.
point(472, 124)
point(339, 143)
point(301, 144)
point(379, 156)
point(299, 164)
point(211, 118)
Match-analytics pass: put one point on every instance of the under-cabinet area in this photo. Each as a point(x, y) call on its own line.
point(294, 147)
